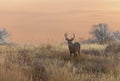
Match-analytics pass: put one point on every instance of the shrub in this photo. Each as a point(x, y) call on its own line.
point(113, 48)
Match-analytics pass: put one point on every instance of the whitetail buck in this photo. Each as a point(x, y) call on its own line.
point(74, 48)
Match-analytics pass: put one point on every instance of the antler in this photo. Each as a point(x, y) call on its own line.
point(73, 37)
point(66, 36)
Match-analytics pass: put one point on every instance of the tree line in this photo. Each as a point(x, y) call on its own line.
point(100, 33)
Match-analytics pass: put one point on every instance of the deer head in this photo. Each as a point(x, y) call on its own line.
point(69, 39)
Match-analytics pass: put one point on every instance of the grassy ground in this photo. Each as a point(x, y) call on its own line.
point(53, 63)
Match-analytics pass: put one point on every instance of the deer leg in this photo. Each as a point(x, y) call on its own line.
point(70, 54)
point(79, 52)
point(75, 54)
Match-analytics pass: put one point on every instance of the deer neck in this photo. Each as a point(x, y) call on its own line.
point(70, 44)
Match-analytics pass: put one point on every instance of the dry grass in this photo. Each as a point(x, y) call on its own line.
point(53, 63)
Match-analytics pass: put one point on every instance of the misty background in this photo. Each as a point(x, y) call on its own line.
point(46, 21)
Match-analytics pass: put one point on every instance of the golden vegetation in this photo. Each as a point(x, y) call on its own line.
point(53, 63)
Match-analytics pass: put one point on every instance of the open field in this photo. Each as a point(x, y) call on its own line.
point(53, 63)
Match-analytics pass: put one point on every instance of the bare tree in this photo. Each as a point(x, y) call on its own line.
point(74, 48)
point(3, 35)
point(101, 33)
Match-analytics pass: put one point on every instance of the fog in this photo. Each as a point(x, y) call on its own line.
point(42, 21)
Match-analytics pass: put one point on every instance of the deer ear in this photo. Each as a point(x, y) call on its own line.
point(66, 39)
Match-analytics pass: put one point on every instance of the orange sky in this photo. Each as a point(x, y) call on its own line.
point(47, 20)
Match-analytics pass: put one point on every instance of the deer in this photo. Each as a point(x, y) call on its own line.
point(74, 48)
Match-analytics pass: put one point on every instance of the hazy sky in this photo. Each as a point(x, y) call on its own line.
point(47, 20)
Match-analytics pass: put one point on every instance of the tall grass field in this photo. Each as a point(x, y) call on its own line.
point(53, 63)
